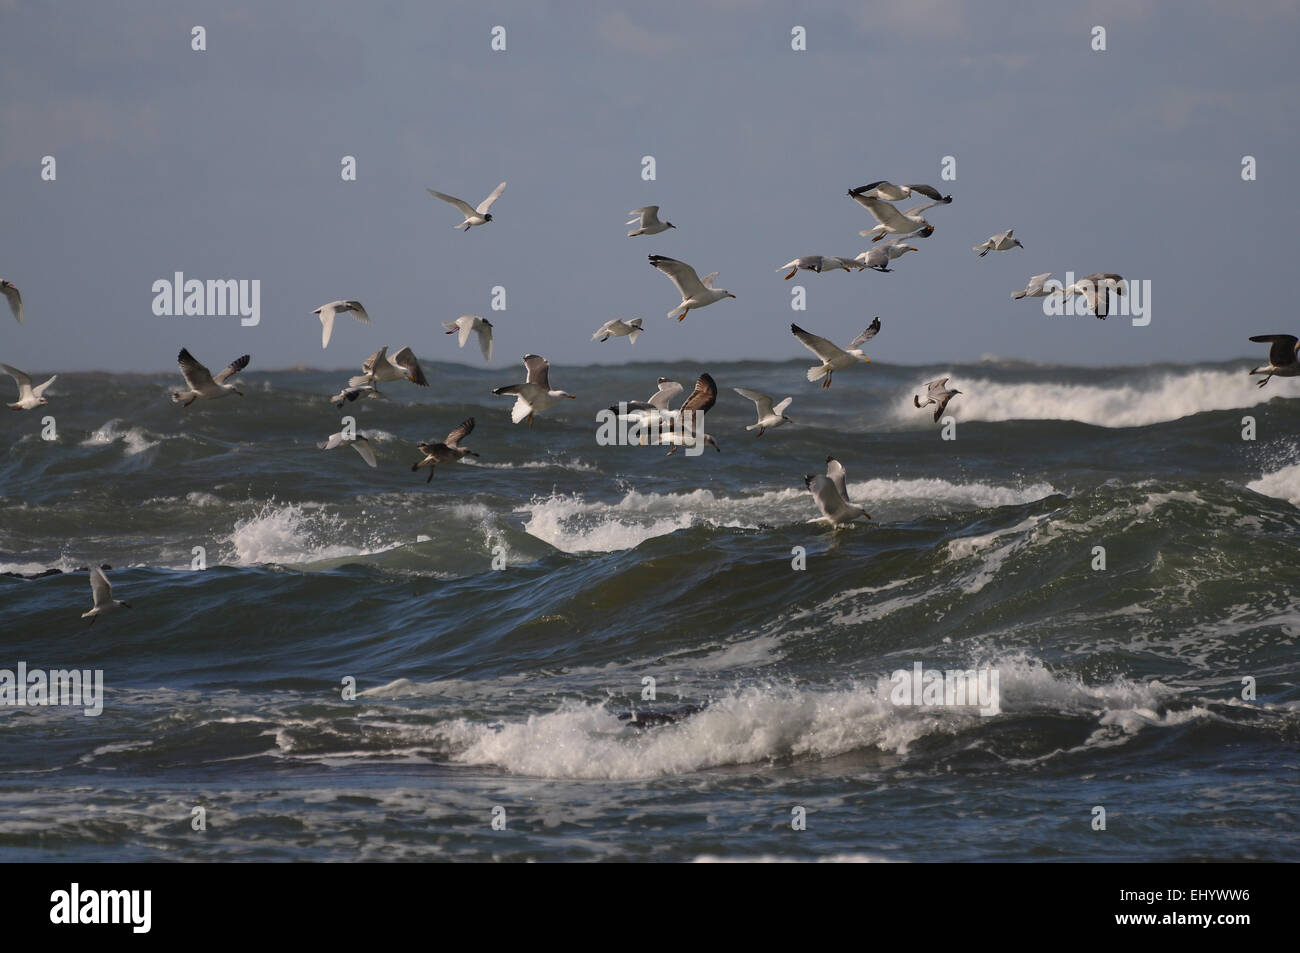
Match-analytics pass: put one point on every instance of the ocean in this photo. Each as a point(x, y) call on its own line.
point(1101, 542)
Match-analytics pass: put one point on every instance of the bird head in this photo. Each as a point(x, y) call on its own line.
point(487, 323)
point(786, 419)
point(670, 224)
point(1017, 243)
point(487, 217)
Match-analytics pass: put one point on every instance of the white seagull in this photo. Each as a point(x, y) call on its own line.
point(619, 328)
point(834, 358)
point(768, 416)
point(28, 396)
point(368, 391)
point(1035, 288)
point(688, 427)
point(653, 409)
point(894, 222)
point(895, 193)
point(1096, 289)
point(534, 395)
point(379, 367)
point(696, 292)
point(832, 494)
point(1283, 356)
point(10, 291)
point(1002, 241)
point(820, 263)
point(360, 444)
point(102, 592)
point(200, 381)
point(467, 323)
point(448, 451)
point(937, 392)
point(647, 222)
point(473, 216)
point(878, 258)
point(327, 312)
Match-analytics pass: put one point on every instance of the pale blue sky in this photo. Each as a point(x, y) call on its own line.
point(225, 164)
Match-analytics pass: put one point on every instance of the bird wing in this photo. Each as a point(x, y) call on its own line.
point(823, 348)
point(762, 402)
point(666, 392)
point(703, 397)
point(464, 324)
point(825, 493)
point(460, 433)
point(195, 374)
point(100, 588)
point(231, 369)
point(1037, 281)
point(25, 382)
point(451, 199)
point(15, 301)
point(682, 275)
point(39, 389)
point(918, 209)
point(374, 360)
point(326, 312)
point(487, 202)
point(358, 311)
point(362, 446)
point(1282, 352)
point(779, 409)
point(835, 473)
point(927, 190)
point(485, 339)
point(539, 371)
point(335, 440)
point(405, 359)
point(884, 213)
point(648, 215)
point(871, 331)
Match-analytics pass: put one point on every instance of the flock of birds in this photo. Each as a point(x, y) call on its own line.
point(653, 417)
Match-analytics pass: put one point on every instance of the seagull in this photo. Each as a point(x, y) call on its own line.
point(534, 395)
point(360, 444)
point(936, 393)
point(369, 391)
point(878, 258)
point(655, 407)
point(618, 328)
point(691, 417)
point(102, 591)
point(834, 358)
point(768, 416)
point(200, 381)
point(892, 221)
point(28, 396)
point(1035, 288)
point(696, 292)
point(1096, 289)
point(1283, 356)
point(1002, 241)
point(820, 263)
point(448, 451)
point(480, 326)
point(647, 222)
point(832, 494)
point(379, 367)
point(10, 291)
point(473, 216)
point(327, 312)
point(895, 193)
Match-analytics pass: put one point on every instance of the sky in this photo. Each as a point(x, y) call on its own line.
point(226, 162)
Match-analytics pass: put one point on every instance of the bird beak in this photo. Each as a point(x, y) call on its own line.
point(571, 396)
point(729, 295)
point(240, 393)
point(866, 360)
point(126, 605)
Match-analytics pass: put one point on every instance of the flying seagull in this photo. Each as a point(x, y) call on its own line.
point(878, 258)
point(647, 222)
point(200, 381)
point(534, 395)
point(448, 451)
point(327, 312)
point(655, 407)
point(1096, 289)
point(689, 425)
point(894, 222)
point(834, 358)
point(473, 216)
point(937, 392)
point(10, 291)
point(1283, 356)
point(768, 416)
point(102, 592)
point(1002, 241)
point(832, 494)
point(696, 292)
point(28, 396)
point(617, 329)
point(360, 444)
point(467, 323)
point(1035, 288)
point(820, 263)
point(895, 193)
point(379, 367)
point(368, 391)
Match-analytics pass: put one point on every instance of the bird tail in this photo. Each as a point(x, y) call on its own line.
point(358, 381)
point(817, 373)
point(679, 310)
point(177, 396)
point(1017, 295)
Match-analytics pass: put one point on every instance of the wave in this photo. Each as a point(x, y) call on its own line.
point(134, 439)
point(1284, 484)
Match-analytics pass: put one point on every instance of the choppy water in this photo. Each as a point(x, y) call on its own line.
point(481, 688)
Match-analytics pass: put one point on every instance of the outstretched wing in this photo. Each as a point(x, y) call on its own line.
point(452, 200)
point(835, 473)
point(539, 371)
point(762, 403)
point(100, 588)
point(825, 493)
point(405, 359)
point(460, 433)
point(667, 391)
point(918, 209)
point(1281, 353)
point(871, 331)
point(487, 202)
point(195, 374)
point(362, 446)
point(683, 275)
point(884, 213)
point(15, 300)
point(929, 191)
point(935, 388)
point(231, 369)
point(25, 382)
point(703, 397)
point(823, 348)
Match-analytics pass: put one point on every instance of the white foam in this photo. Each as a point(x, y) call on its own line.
point(1164, 396)
point(1284, 484)
point(293, 533)
point(133, 438)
